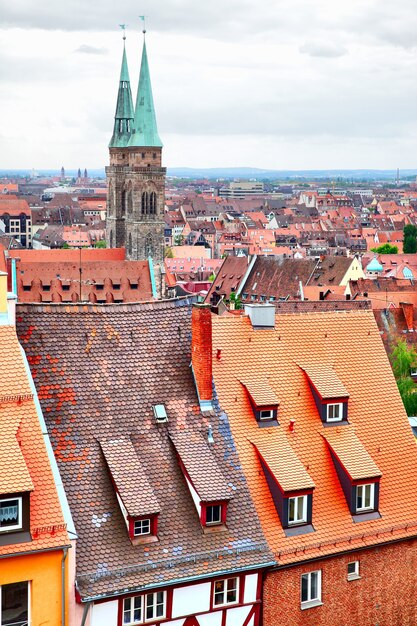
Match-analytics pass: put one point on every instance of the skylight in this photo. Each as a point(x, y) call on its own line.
point(160, 412)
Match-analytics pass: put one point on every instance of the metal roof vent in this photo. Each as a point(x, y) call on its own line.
point(160, 413)
point(261, 315)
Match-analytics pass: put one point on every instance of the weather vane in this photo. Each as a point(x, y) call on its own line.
point(123, 27)
point(142, 17)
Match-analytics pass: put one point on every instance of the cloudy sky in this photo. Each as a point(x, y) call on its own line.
point(284, 84)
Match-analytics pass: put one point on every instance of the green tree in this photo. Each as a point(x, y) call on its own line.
point(100, 244)
point(386, 248)
point(65, 245)
point(403, 360)
point(410, 239)
point(168, 254)
point(212, 277)
point(178, 240)
point(236, 300)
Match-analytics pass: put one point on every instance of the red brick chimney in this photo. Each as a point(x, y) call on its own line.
point(201, 357)
point(408, 310)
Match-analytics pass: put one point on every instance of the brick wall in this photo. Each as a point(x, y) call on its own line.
point(201, 349)
point(385, 594)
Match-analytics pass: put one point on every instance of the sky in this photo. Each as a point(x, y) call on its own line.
point(277, 84)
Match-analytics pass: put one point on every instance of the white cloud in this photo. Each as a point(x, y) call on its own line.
point(301, 83)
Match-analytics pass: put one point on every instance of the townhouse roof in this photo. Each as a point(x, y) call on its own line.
point(348, 342)
point(277, 277)
point(325, 380)
point(111, 365)
point(260, 391)
point(229, 276)
point(24, 463)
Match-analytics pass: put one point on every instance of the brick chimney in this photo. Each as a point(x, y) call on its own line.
point(408, 311)
point(201, 353)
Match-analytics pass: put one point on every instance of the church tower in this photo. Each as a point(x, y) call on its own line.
point(136, 179)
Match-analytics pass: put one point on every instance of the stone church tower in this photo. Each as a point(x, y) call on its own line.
point(136, 179)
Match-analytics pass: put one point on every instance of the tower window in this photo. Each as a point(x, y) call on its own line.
point(143, 155)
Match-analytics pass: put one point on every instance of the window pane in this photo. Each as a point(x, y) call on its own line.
point(304, 587)
point(314, 585)
point(14, 604)
point(9, 513)
point(149, 605)
point(218, 592)
point(291, 509)
point(367, 496)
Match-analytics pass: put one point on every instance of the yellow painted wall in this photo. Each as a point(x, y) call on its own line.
point(354, 272)
point(3, 292)
point(43, 570)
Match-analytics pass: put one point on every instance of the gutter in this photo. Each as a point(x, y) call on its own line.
point(152, 274)
point(176, 581)
point(85, 613)
point(246, 276)
point(64, 558)
point(52, 461)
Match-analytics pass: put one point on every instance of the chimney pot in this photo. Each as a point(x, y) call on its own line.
point(292, 426)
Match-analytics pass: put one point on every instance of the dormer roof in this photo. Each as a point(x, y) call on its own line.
point(350, 452)
point(201, 466)
point(325, 380)
point(283, 463)
point(260, 392)
point(129, 477)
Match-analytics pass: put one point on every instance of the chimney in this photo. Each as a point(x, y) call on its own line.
point(201, 357)
point(408, 311)
point(261, 315)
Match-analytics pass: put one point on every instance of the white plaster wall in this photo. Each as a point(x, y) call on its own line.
point(236, 617)
point(194, 496)
point(191, 599)
point(104, 614)
point(251, 583)
point(177, 622)
point(251, 621)
point(210, 619)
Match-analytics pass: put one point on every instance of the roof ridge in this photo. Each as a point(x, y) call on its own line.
point(90, 307)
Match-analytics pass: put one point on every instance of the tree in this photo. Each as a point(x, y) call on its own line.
point(403, 360)
point(234, 299)
point(178, 240)
point(386, 248)
point(410, 239)
point(168, 254)
point(100, 244)
point(212, 277)
point(65, 245)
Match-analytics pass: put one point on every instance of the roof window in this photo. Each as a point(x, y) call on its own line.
point(160, 413)
point(263, 401)
point(329, 393)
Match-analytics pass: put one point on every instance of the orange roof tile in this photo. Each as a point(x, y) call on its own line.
point(260, 392)
point(278, 455)
point(351, 453)
point(348, 342)
point(24, 463)
point(324, 379)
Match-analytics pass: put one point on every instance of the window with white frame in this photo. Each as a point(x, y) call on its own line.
point(14, 602)
point(311, 589)
point(297, 510)
point(213, 514)
point(144, 608)
point(15, 226)
point(334, 412)
point(226, 591)
point(365, 497)
point(142, 527)
point(266, 414)
point(10, 514)
point(353, 570)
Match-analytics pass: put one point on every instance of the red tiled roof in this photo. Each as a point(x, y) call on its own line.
point(260, 392)
point(24, 463)
point(324, 379)
point(348, 342)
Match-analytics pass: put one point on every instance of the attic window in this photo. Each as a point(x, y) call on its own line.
point(329, 393)
point(10, 514)
point(160, 413)
point(263, 401)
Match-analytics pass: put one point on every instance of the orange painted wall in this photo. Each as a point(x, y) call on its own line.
point(44, 572)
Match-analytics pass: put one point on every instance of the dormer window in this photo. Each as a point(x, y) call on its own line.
point(139, 507)
point(358, 473)
point(329, 393)
point(334, 412)
point(208, 488)
point(291, 490)
point(263, 401)
point(10, 514)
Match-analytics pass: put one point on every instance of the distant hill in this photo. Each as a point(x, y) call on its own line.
point(241, 172)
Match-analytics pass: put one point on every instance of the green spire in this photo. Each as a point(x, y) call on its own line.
point(145, 128)
point(123, 119)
